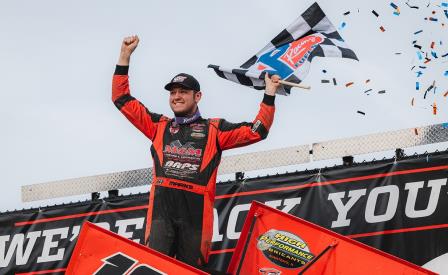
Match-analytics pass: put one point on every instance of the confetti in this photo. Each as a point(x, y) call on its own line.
point(419, 73)
point(349, 84)
point(416, 131)
point(397, 9)
point(433, 19)
point(367, 91)
point(445, 55)
point(367, 81)
point(417, 32)
point(382, 29)
point(334, 82)
point(417, 86)
point(445, 4)
point(347, 13)
point(429, 88)
point(397, 53)
point(446, 94)
point(375, 13)
point(325, 81)
point(434, 109)
point(382, 92)
point(324, 71)
point(417, 46)
point(343, 24)
point(419, 55)
point(362, 113)
point(434, 54)
point(412, 7)
point(432, 44)
point(446, 73)
point(412, 102)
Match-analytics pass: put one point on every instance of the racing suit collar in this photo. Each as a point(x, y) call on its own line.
point(186, 120)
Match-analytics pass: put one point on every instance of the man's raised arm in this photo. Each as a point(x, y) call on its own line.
point(232, 135)
point(133, 109)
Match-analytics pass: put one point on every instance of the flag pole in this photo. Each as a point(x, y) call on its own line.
point(293, 84)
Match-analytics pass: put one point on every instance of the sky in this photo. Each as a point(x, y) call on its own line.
point(58, 121)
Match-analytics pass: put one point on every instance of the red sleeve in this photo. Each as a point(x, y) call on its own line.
point(130, 107)
point(232, 135)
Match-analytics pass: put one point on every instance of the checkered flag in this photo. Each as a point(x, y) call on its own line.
point(290, 53)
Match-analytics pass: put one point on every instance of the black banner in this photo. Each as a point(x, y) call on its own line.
point(398, 207)
point(44, 240)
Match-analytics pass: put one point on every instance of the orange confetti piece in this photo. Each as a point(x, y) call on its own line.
point(434, 109)
point(415, 131)
point(446, 94)
point(368, 80)
point(349, 84)
point(382, 29)
point(427, 61)
point(432, 44)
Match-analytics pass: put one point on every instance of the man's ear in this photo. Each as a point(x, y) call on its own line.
point(197, 96)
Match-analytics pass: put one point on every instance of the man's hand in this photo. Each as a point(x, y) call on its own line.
point(272, 84)
point(127, 48)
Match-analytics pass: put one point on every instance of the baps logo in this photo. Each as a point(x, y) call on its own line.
point(287, 58)
point(120, 263)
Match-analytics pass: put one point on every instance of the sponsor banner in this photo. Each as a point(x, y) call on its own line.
point(397, 207)
point(43, 241)
point(273, 242)
point(99, 251)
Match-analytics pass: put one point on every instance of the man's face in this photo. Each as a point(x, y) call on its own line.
point(183, 101)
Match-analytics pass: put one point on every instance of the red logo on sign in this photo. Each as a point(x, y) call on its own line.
point(298, 49)
point(183, 151)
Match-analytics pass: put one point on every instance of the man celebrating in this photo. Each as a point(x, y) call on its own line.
point(186, 151)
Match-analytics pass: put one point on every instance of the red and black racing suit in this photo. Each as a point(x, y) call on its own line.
point(186, 159)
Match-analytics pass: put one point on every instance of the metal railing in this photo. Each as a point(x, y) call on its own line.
point(332, 149)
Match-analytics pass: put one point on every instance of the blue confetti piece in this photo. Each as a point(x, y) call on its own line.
point(393, 5)
point(446, 73)
point(434, 54)
point(396, 13)
point(417, 86)
point(446, 13)
point(419, 55)
point(419, 73)
point(343, 24)
point(444, 4)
